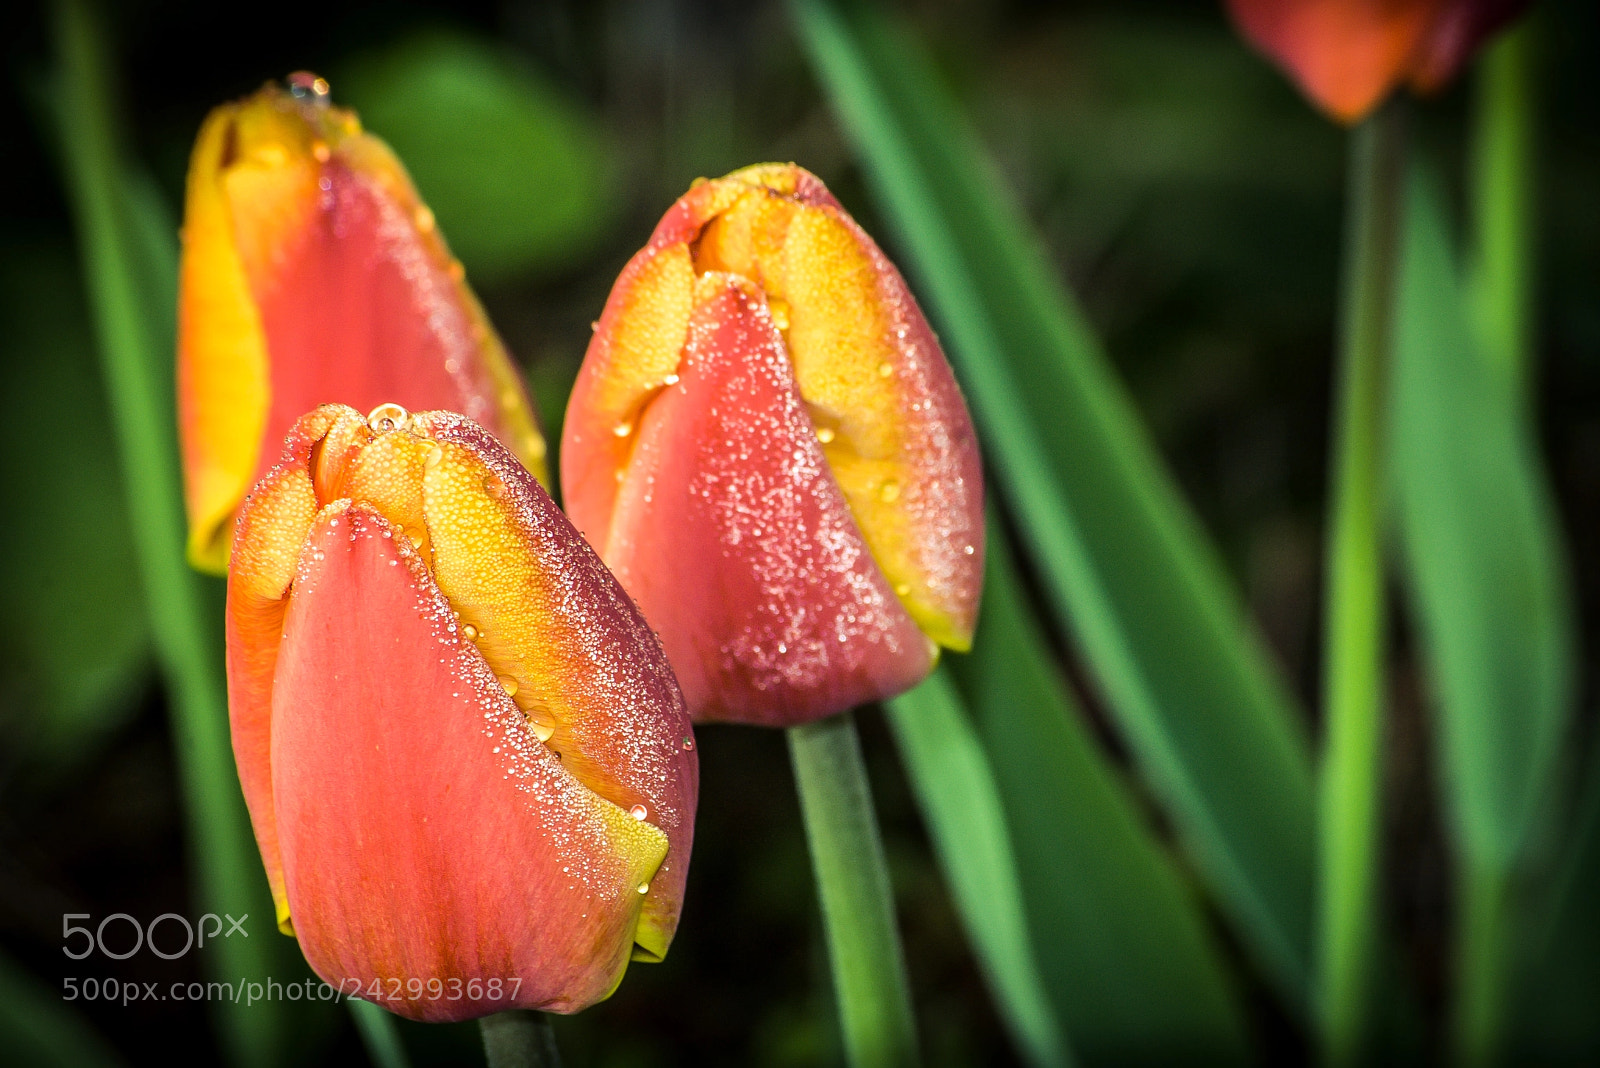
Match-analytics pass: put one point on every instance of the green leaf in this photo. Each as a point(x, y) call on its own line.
point(961, 806)
point(1484, 565)
point(1120, 557)
point(73, 630)
point(1122, 943)
point(37, 1030)
point(520, 177)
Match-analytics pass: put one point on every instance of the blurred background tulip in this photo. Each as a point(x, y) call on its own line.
point(312, 273)
point(466, 759)
point(1347, 55)
point(768, 448)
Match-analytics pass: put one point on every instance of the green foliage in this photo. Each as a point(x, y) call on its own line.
point(1484, 564)
point(961, 805)
point(520, 177)
point(72, 617)
point(1123, 945)
point(1121, 559)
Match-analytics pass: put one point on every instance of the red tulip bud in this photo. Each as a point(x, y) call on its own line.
point(312, 273)
point(463, 751)
point(767, 446)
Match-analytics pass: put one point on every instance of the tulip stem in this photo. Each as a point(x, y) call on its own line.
point(869, 971)
point(519, 1038)
point(1353, 624)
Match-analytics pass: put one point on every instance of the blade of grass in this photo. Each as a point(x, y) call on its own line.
point(1122, 560)
point(133, 293)
point(1353, 622)
point(379, 1035)
point(960, 803)
point(1487, 580)
point(864, 954)
point(1125, 951)
point(38, 1030)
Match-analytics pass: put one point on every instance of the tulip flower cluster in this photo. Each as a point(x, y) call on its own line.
point(768, 448)
point(463, 749)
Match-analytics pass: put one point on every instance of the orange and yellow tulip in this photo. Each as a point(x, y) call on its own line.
point(312, 273)
point(463, 751)
point(1348, 55)
point(767, 446)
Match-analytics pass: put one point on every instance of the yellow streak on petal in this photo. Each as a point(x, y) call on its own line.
point(222, 358)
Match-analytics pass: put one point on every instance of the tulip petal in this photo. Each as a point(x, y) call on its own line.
point(738, 544)
point(1346, 55)
point(883, 403)
point(425, 831)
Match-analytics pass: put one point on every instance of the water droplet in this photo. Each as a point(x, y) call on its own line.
point(542, 731)
point(670, 380)
point(451, 366)
point(416, 537)
point(885, 369)
point(638, 812)
point(423, 217)
point(902, 590)
point(780, 314)
point(494, 487)
point(457, 271)
point(303, 85)
point(318, 554)
point(469, 632)
point(434, 455)
point(320, 152)
point(387, 417)
point(825, 434)
point(622, 430)
point(644, 888)
point(508, 684)
point(969, 549)
point(889, 492)
point(688, 741)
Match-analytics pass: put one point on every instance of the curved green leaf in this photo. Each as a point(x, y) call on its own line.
point(1121, 558)
point(961, 806)
point(1122, 943)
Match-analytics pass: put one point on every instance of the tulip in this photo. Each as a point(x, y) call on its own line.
point(1348, 55)
point(312, 273)
point(464, 754)
point(770, 452)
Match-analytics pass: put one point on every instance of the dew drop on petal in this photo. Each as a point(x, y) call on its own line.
point(542, 731)
point(319, 151)
point(304, 85)
point(644, 888)
point(434, 455)
point(494, 487)
point(889, 492)
point(638, 812)
point(903, 590)
point(469, 632)
point(825, 434)
point(885, 369)
point(387, 417)
point(622, 430)
point(508, 684)
point(423, 217)
point(670, 380)
point(688, 742)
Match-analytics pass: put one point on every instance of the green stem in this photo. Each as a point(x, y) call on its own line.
point(184, 612)
point(1353, 624)
point(1502, 166)
point(869, 972)
point(519, 1038)
point(379, 1035)
point(1482, 959)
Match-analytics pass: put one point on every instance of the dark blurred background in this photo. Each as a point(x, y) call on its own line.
point(1188, 194)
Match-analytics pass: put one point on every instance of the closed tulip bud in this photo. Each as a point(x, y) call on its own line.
point(1348, 55)
point(767, 446)
point(311, 274)
point(466, 760)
